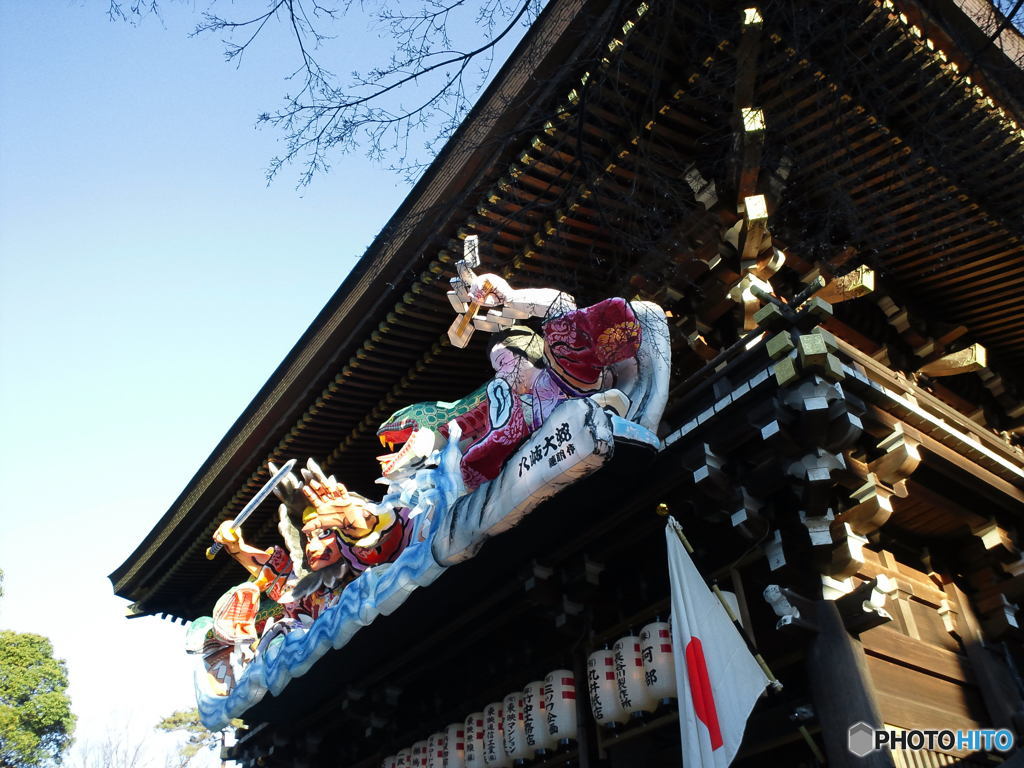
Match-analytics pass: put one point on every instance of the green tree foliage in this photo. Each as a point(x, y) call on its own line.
point(36, 724)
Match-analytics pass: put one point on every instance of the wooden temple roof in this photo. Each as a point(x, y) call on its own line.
point(602, 160)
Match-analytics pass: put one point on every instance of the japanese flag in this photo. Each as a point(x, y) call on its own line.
point(717, 678)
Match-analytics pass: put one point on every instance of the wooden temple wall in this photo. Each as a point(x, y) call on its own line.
point(917, 662)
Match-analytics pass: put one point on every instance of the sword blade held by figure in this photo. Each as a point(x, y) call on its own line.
point(254, 502)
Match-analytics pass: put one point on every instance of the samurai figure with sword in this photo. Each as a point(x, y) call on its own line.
point(342, 534)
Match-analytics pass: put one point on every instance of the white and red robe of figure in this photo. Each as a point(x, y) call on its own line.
point(578, 347)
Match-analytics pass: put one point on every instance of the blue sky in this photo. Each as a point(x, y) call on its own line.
point(150, 282)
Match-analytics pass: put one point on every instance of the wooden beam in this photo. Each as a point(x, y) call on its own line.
point(886, 642)
point(751, 129)
point(842, 689)
point(852, 285)
point(968, 360)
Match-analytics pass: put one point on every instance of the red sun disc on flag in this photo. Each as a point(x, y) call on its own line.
point(700, 690)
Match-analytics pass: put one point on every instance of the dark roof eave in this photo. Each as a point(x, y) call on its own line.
point(392, 253)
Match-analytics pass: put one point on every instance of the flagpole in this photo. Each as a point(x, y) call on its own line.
point(774, 682)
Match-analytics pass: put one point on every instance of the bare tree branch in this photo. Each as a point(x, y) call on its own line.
point(399, 110)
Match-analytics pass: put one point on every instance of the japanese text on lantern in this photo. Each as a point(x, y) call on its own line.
point(593, 686)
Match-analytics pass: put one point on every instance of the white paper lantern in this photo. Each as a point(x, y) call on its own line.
point(535, 719)
point(515, 733)
point(404, 758)
point(659, 664)
point(560, 702)
point(454, 746)
point(473, 733)
point(634, 695)
point(494, 737)
point(604, 689)
point(389, 762)
point(419, 754)
point(435, 750)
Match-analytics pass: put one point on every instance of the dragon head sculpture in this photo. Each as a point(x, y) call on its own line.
point(421, 428)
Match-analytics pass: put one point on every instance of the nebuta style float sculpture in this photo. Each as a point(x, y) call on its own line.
point(568, 384)
point(342, 534)
point(598, 351)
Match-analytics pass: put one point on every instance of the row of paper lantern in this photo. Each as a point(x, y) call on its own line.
point(535, 720)
point(634, 677)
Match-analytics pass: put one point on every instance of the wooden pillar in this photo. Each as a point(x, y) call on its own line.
point(842, 690)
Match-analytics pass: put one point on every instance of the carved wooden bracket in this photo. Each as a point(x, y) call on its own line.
point(861, 609)
point(852, 285)
point(883, 478)
point(872, 510)
point(902, 457)
point(847, 555)
point(997, 542)
point(968, 360)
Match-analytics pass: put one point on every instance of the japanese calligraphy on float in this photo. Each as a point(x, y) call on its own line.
point(569, 383)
